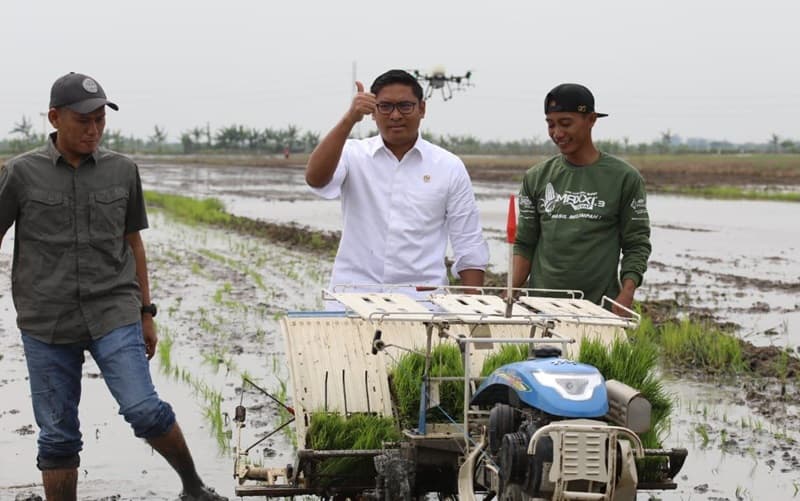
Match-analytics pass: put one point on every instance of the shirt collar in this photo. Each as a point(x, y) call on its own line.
point(54, 154)
point(376, 145)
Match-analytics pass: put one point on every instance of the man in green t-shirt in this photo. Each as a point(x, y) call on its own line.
point(580, 209)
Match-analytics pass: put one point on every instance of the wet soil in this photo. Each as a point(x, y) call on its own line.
point(659, 171)
point(662, 171)
point(221, 291)
point(764, 362)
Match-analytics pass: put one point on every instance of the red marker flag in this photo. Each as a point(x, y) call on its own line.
point(511, 226)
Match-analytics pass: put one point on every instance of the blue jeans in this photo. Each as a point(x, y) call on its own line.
point(55, 376)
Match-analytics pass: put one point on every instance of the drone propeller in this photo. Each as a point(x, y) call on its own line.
point(438, 79)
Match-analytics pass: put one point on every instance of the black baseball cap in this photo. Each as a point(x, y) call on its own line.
point(570, 97)
point(79, 93)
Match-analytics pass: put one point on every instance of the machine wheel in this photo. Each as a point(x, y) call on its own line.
point(393, 481)
point(502, 421)
point(513, 458)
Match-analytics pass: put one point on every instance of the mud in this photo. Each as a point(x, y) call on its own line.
point(658, 171)
point(221, 291)
point(736, 281)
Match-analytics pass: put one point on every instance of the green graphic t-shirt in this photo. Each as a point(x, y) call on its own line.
point(575, 220)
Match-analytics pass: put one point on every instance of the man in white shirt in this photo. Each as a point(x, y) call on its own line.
point(402, 197)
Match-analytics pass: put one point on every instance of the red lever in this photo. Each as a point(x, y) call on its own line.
point(511, 226)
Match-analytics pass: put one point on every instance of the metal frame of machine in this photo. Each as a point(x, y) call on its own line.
point(338, 363)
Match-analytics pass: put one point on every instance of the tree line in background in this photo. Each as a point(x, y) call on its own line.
point(242, 139)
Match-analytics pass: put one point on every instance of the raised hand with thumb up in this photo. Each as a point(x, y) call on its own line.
point(363, 104)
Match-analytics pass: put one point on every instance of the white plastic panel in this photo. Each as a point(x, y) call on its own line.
point(473, 308)
point(379, 305)
point(580, 311)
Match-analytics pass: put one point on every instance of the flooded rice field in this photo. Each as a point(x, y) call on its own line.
point(220, 293)
point(738, 260)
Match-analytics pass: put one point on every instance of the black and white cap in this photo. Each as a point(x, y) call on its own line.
point(80, 93)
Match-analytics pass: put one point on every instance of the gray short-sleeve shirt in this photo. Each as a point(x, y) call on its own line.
point(74, 274)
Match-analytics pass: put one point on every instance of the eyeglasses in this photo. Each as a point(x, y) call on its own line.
point(404, 107)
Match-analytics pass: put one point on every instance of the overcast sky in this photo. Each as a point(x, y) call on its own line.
point(700, 68)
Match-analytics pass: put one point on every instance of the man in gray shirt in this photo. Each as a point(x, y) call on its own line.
point(79, 282)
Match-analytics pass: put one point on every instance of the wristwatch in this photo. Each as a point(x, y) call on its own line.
point(149, 308)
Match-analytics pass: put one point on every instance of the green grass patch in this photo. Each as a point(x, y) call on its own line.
point(189, 210)
point(211, 211)
point(406, 381)
point(732, 193)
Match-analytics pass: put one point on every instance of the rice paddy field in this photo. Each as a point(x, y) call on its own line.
point(223, 273)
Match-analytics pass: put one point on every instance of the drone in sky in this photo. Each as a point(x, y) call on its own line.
point(438, 79)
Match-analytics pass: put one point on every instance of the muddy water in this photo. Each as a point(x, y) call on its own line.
point(219, 293)
point(739, 260)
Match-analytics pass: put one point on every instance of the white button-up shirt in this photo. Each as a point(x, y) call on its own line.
point(398, 215)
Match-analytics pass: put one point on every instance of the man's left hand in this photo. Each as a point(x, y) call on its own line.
point(150, 336)
point(625, 298)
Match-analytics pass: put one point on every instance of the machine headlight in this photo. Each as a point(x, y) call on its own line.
point(570, 386)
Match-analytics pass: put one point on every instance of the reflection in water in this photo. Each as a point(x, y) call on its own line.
point(738, 259)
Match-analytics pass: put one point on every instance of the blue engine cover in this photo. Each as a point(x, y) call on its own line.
point(556, 386)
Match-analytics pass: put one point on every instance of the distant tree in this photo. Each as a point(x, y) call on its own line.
point(231, 137)
point(310, 141)
point(189, 146)
point(208, 136)
point(787, 145)
point(291, 136)
point(666, 141)
point(774, 142)
point(158, 138)
point(197, 134)
point(114, 139)
point(24, 128)
point(26, 139)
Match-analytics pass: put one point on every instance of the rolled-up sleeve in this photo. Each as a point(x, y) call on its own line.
point(333, 189)
point(136, 214)
point(471, 252)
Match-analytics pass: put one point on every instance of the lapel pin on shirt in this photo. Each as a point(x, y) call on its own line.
point(426, 178)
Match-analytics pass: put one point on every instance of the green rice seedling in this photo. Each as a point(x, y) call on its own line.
point(782, 368)
point(723, 438)
point(214, 359)
point(189, 210)
point(743, 493)
point(701, 345)
point(702, 431)
point(634, 363)
point(406, 381)
point(507, 354)
point(174, 257)
point(165, 350)
point(358, 432)
point(258, 279)
point(260, 334)
point(214, 415)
